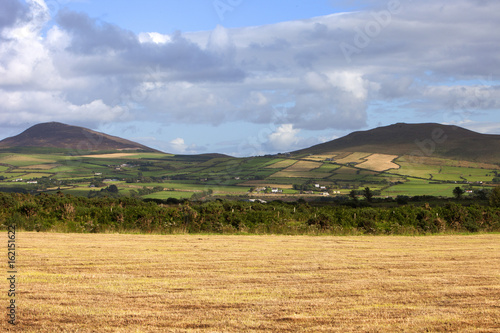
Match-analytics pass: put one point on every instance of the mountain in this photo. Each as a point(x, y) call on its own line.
point(74, 138)
point(429, 139)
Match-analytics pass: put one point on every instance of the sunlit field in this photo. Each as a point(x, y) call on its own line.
point(197, 283)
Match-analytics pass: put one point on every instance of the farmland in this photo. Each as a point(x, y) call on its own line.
point(194, 283)
point(182, 176)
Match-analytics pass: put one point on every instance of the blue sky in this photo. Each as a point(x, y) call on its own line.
point(202, 15)
point(247, 77)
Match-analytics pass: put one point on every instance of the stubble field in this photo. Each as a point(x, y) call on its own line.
point(200, 283)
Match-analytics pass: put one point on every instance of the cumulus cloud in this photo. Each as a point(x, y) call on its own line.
point(287, 138)
point(284, 138)
point(12, 11)
point(178, 146)
point(322, 73)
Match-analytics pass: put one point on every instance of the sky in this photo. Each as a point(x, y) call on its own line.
point(248, 78)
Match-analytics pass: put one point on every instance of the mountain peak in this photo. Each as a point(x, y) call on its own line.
point(426, 139)
point(73, 138)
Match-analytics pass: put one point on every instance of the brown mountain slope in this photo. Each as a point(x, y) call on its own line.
point(433, 140)
point(77, 139)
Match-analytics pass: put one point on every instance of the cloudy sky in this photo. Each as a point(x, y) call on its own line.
point(248, 77)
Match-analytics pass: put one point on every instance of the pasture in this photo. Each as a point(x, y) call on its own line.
point(197, 173)
point(208, 283)
point(420, 187)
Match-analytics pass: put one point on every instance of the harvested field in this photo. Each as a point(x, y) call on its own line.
point(281, 164)
point(41, 166)
point(113, 155)
point(320, 158)
point(299, 174)
point(263, 183)
point(379, 162)
point(303, 166)
point(197, 283)
point(25, 160)
point(353, 158)
point(445, 162)
point(301, 169)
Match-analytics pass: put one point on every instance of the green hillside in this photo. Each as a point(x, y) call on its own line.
point(389, 164)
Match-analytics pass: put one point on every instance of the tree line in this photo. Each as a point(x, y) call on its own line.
point(66, 213)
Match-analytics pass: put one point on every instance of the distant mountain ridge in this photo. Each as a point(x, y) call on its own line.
point(428, 139)
point(75, 138)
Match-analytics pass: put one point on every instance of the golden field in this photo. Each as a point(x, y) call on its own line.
point(200, 283)
point(379, 162)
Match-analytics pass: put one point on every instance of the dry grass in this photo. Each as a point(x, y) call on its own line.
point(191, 283)
point(301, 170)
point(379, 162)
point(281, 164)
point(41, 166)
point(264, 183)
point(112, 155)
point(22, 160)
point(320, 158)
point(357, 157)
point(301, 166)
point(444, 162)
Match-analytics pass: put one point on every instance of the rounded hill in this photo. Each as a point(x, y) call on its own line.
point(75, 138)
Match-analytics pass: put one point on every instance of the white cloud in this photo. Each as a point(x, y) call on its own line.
point(87, 71)
point(284, 138)
point(154, 37)
point(179, 146)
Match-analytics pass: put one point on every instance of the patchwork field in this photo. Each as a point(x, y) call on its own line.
point(282, 164)
point(195, 173)
point(198, 283)
point(321, 158)
point(25, 160)
point(379, 162)
point(357, 157)
point(127, 155)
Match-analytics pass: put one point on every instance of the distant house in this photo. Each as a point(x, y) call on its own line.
point(325, 194)
point(32, 182)
point(316, 185)
point(276, 190)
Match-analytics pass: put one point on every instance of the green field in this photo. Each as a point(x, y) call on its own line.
point(420, 187)
point(234, 176)
point(169, 194)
